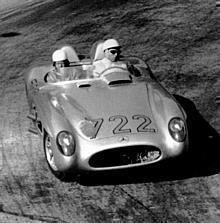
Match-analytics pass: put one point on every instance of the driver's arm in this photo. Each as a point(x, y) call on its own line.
point(97, 68)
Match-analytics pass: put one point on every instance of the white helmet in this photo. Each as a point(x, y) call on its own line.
point(70, 53)
point(110, 43)
point(59, 55)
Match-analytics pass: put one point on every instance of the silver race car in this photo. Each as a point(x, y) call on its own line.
point(123, 119)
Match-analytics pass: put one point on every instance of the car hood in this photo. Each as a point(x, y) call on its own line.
point(124, 106)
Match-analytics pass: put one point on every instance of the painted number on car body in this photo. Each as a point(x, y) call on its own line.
point(122, 122)
point(120, 126)
point(143, 127)
point(96, 125)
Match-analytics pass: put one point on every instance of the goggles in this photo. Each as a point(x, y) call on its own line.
point(114, 51)
point(60, 64)
point(64, 63)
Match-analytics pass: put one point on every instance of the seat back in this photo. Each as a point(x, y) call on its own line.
point(71, 54)
point(96, 52)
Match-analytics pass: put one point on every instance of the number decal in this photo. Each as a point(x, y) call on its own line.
point(34, 83)
point(97, 125)
point(119, 128)
point(145, 123)
point(142, 121)
point(91, 127)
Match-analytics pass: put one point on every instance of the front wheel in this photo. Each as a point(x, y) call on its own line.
point(49, 155)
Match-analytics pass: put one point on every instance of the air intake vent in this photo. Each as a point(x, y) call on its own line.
point(83, 85)
point(119, 82)
point(125, 156)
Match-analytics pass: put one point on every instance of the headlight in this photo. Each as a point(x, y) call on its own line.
point(66, 143)
point(177, 129)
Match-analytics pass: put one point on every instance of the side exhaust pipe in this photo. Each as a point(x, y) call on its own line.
point(33, 130)
point(31, 117)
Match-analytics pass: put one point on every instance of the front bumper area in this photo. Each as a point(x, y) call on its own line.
point(125, 156)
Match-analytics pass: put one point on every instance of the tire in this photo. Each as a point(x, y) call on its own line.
point(48, 151)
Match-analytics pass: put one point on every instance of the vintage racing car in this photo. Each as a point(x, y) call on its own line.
point(118, 121)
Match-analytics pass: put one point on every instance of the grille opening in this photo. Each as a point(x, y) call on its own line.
point(125, 156)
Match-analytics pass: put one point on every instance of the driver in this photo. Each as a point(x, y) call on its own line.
point(61, 70)
point(111, 49)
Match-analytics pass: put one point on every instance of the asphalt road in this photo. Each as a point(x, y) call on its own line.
point(186, 192)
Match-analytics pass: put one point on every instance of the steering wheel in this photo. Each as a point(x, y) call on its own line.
point(105, 72)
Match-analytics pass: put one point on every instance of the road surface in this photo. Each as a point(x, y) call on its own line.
point(189, 192)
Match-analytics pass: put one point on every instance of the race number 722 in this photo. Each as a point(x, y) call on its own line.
point(121, 122)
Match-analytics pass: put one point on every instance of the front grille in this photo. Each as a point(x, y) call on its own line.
point(125, 156)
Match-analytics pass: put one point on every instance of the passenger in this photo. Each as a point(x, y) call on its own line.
point(61, 70)
point(112, 50)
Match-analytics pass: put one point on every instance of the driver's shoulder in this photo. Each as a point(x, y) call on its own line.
point(100, 62)
point(121, 64)
point(100, 65)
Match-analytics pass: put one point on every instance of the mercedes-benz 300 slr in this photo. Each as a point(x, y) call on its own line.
point(123, 119)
